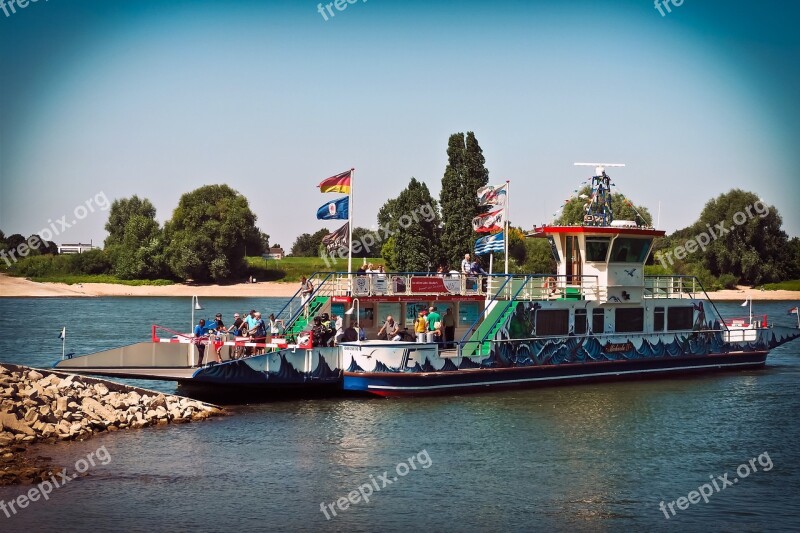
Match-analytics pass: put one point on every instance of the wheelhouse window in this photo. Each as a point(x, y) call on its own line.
point(658, 319)
point(580, 322)
point(598, 320)
point(629, 320)
point(679, 318)
point(552, 322)
point(627, 250)
point(553, 248)
point(597, 248)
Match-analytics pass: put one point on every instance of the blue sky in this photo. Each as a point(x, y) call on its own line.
point(157, 98)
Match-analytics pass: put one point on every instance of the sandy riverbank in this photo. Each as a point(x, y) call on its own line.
point(19, 287)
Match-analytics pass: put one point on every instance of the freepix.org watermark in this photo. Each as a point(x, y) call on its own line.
point(340, 5)
point(98, 201)
point(9, 7)
point(717, 485)
point(663, 6)
point(702, 240)
point(377, 237)
point(365, 491)
point(42, 490)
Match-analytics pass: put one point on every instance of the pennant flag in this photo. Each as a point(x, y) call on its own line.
point(337, 239)
point(490, 243)
point(63, 334)
point(745, 303)
point(335, 210)
point(337, 183)
point(491, 195)
point(793, 311)
point(489, 221)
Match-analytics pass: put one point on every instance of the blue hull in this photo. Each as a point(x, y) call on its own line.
point(481, 379)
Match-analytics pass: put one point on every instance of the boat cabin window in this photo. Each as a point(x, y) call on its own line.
point(552, 322)
point(580, 322)
point(597, 248)
point(553, 248)
point(626, 250)
point(658, 319)
point(679, 318)
point(598, 320)
point(629, 320)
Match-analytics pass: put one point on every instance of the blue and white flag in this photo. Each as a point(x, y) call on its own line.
point(63, 334)
point(490, 243)
point(335, 210)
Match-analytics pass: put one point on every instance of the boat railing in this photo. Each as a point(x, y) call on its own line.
point(542, 287)
point(295, 308)
point(361, 284)
point(672, 287)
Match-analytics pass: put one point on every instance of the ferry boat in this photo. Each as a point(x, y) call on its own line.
point(599, 317)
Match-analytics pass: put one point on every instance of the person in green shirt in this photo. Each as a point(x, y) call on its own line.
point(434, 324)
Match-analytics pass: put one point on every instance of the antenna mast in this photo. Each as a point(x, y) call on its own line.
point(598, 209)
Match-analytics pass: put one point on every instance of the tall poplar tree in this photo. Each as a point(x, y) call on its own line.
point(465, 174)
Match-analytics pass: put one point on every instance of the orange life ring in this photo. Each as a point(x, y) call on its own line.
point(550, 284)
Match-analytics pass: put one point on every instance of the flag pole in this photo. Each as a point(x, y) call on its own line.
point(505, 234)
point(63, 342)
point(350, 233)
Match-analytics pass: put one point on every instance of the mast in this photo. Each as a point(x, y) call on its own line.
point(505, 234)
point(350, 232)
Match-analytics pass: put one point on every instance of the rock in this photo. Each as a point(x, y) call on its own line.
point(6, 439)
point(159, 401)
point(161, 412)
point(33, 375)
point(65, 383)
point(100, 389)
point(10, 422)
point(92, 406)
point(61, 404)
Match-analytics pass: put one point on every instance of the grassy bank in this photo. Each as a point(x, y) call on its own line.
point(291, 268)
point(791, 285)
point(74, 279)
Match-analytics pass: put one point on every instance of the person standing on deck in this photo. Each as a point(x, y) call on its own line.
point(306, 288)
point(434, 325)
point(449, 323)
point(466, 266)
point(200, 334)
point(420, 326)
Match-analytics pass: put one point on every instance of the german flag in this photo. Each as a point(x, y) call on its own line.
point(338, 183)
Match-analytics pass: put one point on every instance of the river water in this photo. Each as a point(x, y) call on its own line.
point(589, 457)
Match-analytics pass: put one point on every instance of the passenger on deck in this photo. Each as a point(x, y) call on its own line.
point(306, 288)
point(420, 326)
point(350, 334)
point(236, 330)
point(362, 335)
point(338, 326)
point(259, 334)
point(390, 329)
point(449, 324)
point(201, 337)
point(465, 265)
point(274, 326)
point(220, 336)
point(434, 325)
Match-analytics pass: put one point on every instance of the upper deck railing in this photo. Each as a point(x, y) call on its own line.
point(673, 287)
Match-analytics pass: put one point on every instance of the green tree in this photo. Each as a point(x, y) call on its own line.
point(135, 243)
point(207, 234)
point(121, 212)
point(464, 175)
point(621, 207)
point(747, 239)
point(366, 249)
point(539, 257)
point(308, 245)
point(413, 219)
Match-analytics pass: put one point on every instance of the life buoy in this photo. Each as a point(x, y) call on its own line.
point(550, 284)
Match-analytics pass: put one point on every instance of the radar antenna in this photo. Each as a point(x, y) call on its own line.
point(598, 209)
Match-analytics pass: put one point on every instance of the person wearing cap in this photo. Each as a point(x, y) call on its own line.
point(219, 331)
point(201, 339)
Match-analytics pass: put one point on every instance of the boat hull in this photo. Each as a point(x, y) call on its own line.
point(484, 379)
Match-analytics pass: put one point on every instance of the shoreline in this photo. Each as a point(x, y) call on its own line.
point(12, 287)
